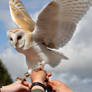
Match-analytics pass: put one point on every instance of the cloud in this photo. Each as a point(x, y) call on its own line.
point(15, 63)
point(84, 33)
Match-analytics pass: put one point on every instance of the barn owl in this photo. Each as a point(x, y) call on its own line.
point(54, 28)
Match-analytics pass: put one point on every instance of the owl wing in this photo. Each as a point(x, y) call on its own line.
point(57, 21)
point(20, 15)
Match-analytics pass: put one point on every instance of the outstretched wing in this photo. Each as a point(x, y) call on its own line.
point(57, 21)
point(20, 15)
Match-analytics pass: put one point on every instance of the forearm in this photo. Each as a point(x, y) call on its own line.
point(6, 89)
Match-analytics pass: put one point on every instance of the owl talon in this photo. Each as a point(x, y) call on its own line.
point(26, 75)
point(21, 79)
point(39, 68)
point(42, 66)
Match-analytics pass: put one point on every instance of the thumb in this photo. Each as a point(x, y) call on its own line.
point(52, 85)
point(27, 84)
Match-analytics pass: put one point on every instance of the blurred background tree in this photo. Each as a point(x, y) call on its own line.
point(5, 77)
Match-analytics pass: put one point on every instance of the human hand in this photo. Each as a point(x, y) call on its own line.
point(17, 87)
point(38, 76)
point(58, 86)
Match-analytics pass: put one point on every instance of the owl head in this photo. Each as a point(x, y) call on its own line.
point(17, 38)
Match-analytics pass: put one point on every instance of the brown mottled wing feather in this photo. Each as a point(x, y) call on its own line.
point(57, 21)
point(20, 15)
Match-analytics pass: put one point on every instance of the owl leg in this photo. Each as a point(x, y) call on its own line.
point(25, 77)
point(40, 66)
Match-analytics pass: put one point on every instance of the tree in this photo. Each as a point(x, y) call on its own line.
point(5, 77)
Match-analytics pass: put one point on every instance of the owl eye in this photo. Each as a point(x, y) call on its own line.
point(11, 39)
point(19, 37)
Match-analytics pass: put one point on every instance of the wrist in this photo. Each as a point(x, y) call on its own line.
point(38, 85)
point(38, 81)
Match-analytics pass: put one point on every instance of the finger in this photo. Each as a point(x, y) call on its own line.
point(55, 83)
point(52, 82)
point(27, 89)
point(47, 78)
point(48, 75)
point(27, 84)
point(38, 70)
point(52, 86)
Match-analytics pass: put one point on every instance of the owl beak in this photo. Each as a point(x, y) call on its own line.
point(16, 43)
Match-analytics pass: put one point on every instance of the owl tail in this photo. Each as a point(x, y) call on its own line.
point(55, 57)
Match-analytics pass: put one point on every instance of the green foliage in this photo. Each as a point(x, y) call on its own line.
point(5, 77)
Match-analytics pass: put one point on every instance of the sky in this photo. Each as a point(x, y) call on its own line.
point(75, 72)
